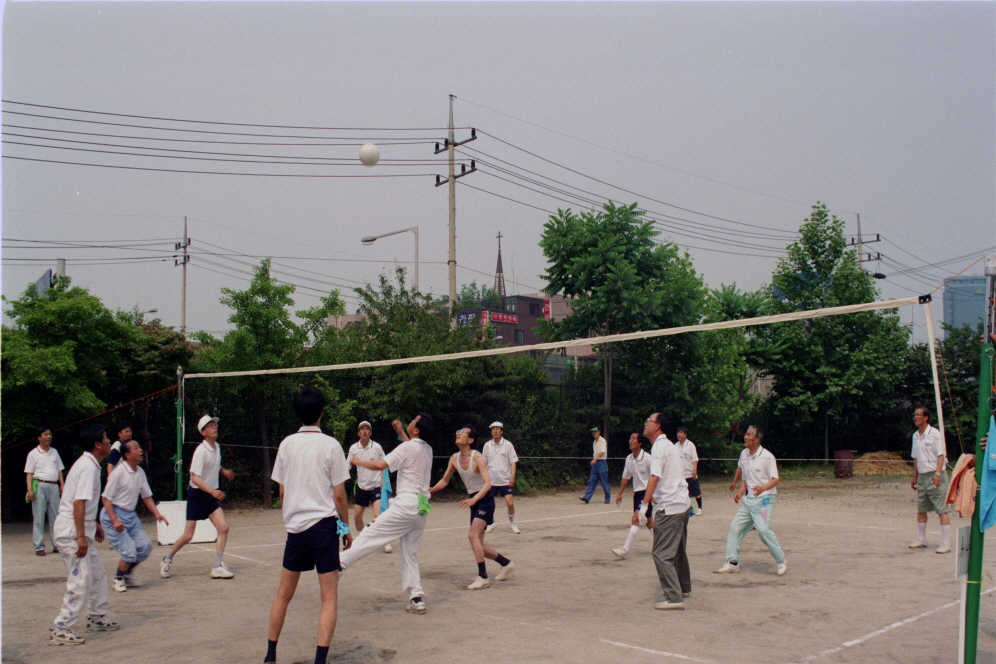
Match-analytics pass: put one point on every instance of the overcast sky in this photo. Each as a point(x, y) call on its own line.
point(726, 121)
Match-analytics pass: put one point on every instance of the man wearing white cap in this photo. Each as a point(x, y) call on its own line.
point(368, 482)
point(501, 459)
point(204, 499)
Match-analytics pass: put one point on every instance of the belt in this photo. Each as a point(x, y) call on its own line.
point(49, 481)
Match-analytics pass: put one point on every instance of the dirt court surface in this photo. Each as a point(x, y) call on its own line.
point(854, 592)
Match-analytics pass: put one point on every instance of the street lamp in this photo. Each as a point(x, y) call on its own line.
point(370, 239)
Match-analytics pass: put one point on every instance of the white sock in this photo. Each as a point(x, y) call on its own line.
point(631, 537)
point(511, 519)
point(946, 535)
point(922, 529)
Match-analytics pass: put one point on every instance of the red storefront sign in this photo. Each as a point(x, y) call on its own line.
point(546, 309)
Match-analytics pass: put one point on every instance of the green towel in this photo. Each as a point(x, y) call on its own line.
point(34, 488)
point(423, 505)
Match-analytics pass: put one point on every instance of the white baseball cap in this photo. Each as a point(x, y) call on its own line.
point(497, 424)
point(204, 421)
point(362, 424)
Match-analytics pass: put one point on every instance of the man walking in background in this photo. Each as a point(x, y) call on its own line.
point(690, 463)
point(501, 459)
point(599, 467)
point(43, 469)
point(930, 480)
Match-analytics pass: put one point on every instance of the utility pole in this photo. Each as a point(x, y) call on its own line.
point(860, 243)
point(183, 293)
point(450, 145)
point(860, 247)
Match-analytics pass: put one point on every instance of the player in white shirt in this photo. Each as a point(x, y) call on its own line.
point(204, 499)
point(690, 462)
point(637, 469)
point(43, 472)
point(311, 471)
point(120, 523)
point(368, 482)
point(76, 534)
point(930, 480)
point(501, 459)
point(405, 521)
point(757, 503)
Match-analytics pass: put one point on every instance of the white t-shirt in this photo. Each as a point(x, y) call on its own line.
point(82, 483)
point(671, 494)
point(500, 456)
point(44, 465)
point(638, 470)
point(599, 445)
point(309, 464)
point(926, 449)
point(206, 463)
point(366, 478)
point(413, 462)
point(689, 455)
point(125, 486)
point(758, 469)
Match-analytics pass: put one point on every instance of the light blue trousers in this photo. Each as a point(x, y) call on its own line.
point(755, 512)
point(46, 504)
point(132, 544)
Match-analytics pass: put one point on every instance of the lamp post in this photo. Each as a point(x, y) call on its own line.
point(370, 239)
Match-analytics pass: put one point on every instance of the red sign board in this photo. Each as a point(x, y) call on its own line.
point(546, 309)
point(503, 318)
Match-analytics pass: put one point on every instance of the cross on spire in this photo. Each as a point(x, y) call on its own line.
point(500, 275)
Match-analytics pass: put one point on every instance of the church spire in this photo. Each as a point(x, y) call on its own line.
point(500, 275)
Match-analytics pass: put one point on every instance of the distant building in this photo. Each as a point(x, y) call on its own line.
point(965, 301)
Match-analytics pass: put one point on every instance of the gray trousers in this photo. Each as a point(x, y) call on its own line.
point(670, 557)
point(46, 504)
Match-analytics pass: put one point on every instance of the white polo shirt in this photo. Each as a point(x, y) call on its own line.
point(309, 464)
point(661, 439)
point(206, 463)
point(671, 494)
point(926, 449)
point(638, 470)
point(125, 486)
point(82, 483)
point(599, 445)
point(413, 462)
point(44, 465)
point(758, 469)
point(689, 455)
point(367, 479)
point(500, 456)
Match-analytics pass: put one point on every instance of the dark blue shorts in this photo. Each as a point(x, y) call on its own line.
point(483, 509)
point(200, 505)
point(366, 497)
point(501, 491)
point(317, 546)
point(694, 490)
point(638, 501)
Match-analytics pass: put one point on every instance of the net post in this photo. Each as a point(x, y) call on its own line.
point(178, 459)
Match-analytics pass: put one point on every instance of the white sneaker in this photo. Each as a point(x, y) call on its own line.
point(670, 606)
point(621, 553)
point(118, 585)
point(388, 548)
point(728, 568)
point(65, 637)
point(918, 544)
point(944, 548)
point(512, 528)
point(101, 624)
point(505, 571)
point(415, 607)
point(491, 527)
point(164, 567)
point(479, 583)
point(700, 511)
point(782, 568)
point(688, 594)
point(222, 572)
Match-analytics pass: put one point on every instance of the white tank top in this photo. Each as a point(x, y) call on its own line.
point(471, 478)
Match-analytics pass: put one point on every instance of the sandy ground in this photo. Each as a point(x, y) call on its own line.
point(853, 593)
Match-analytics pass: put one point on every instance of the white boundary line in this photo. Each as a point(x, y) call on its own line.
point(202, 548)
point(658, 652)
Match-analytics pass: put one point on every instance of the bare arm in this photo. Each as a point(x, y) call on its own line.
point(79, 516)
point(736, 478)
point(770, 484)
point(202, 485)
point(400, 430)
point(339, 495)
point(695, 470)
point(61, 483)
point(31, 493)
point(511, 479)
point(109, 508)
point(376, 464)
point(444, 482)
point(153, 510)
point(939, 472)
point(622, 485)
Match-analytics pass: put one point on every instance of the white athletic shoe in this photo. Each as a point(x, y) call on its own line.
point(65, 637)
point(491, 527)
point(944, 548)
point(918, 544)
point(479, 583)
point(222, 572)
point(620, 552)
point(670, 606)
point(118, 585)
point(512, 528)
point(101, 624)
point(782, 568)
point(164, 567)
point(415, 607)
point(388, 548)
point(686, 595)
point(505, 571)
point(700, 511)
point(728, 568)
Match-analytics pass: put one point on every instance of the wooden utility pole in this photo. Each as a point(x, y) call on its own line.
point(183, 292)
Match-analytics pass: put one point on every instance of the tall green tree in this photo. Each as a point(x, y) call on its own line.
point(824, 367)
point(619, 279)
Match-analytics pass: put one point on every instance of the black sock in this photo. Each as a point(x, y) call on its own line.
point(416, 599)
point(321, 654)
point(131, 566)
point(482, 571)
point(502, 560)
point(271, 651)
point(698, 499)
point(119, 575)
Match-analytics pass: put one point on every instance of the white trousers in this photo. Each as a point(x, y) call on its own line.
point(87, 582)
point(399, 522)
